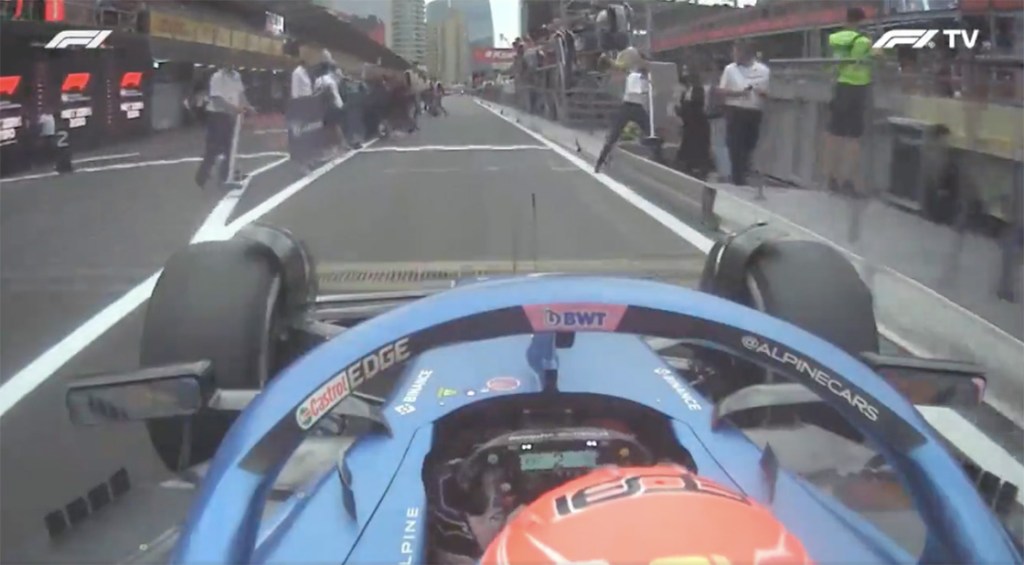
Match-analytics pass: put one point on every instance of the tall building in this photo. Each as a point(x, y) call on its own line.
point(433, 46)
point(409, 30)
point(477, 15)
point(437, 11)
point(448, 54)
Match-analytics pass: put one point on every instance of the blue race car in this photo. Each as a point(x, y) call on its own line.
point(484, 422)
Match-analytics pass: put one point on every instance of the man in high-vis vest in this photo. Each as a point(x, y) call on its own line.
point(849, 105)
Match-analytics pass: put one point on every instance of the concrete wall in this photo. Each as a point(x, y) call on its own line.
point(985, 138)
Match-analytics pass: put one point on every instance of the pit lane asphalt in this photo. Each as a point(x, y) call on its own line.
point(70, 245)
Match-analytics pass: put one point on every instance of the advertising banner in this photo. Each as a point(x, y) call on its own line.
point(96, 96)
point(307, 137)
point(499, 59)
point(12, 122)
point(171, 27)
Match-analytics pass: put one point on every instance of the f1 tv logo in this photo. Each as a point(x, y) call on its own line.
point(921, 38)
point(87, 38)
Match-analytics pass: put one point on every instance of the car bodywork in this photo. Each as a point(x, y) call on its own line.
point(523, 337)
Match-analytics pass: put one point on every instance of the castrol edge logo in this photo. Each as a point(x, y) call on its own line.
point(341, 385)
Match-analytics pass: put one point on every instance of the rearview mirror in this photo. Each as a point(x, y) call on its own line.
point(159, 392)
point(931, 382)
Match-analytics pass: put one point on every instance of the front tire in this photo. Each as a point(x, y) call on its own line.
point(217, 301)
point(813, 286)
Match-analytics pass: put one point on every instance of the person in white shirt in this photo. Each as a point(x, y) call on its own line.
point(302, 85)
point(744, 87)
point(634, 102)
point(227, 102)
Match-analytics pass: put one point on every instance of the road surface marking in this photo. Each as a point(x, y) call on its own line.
point(418, 148)
point(954, 427)
point(106, 157)
point(218, 218)
point(291, 190)
point(136, 165)
point(43, 367)
point(694, 237)
point(407, 170)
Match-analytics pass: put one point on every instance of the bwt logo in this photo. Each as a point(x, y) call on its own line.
point(580, 316)
point(921, 38)
point(581, 319)
point(87, 38)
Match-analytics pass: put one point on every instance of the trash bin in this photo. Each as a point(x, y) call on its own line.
point(920, 158)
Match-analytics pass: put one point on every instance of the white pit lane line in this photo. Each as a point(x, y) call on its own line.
point(105, 158)
point(135, 165)
point(954, 427)
point(43, 367)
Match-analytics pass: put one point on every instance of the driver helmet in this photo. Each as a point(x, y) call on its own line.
point(660, 515)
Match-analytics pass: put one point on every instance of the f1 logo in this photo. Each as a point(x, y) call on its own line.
point(921, 38)
point(131, 80)
point(75, 82)
point(88, 38)
point(9, 85)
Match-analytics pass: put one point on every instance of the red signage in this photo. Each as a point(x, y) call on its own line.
point(372, 26)
point(494, 56)
point(54, 10)
point(983, 6)
point(9, 84)
point(75, 82)
point(379, 34)
point(709, 32)
point(131, 81)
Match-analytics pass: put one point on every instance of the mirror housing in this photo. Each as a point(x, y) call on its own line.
point(931, 382)
point(157, 392)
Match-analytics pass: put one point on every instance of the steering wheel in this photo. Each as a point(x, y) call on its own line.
point(495, 454)
point(223, 526)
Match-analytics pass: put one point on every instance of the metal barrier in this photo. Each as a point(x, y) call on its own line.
point(977, 125)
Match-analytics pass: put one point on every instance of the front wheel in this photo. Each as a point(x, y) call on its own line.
point(217, 301)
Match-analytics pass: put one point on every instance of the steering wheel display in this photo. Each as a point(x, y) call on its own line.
point(223, 526)
point(533, 462)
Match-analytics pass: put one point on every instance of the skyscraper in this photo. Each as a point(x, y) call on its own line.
point(409, 35)
point(448, 55)
point(477, 15)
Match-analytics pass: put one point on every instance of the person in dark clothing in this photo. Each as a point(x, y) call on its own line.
point(694, 155)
